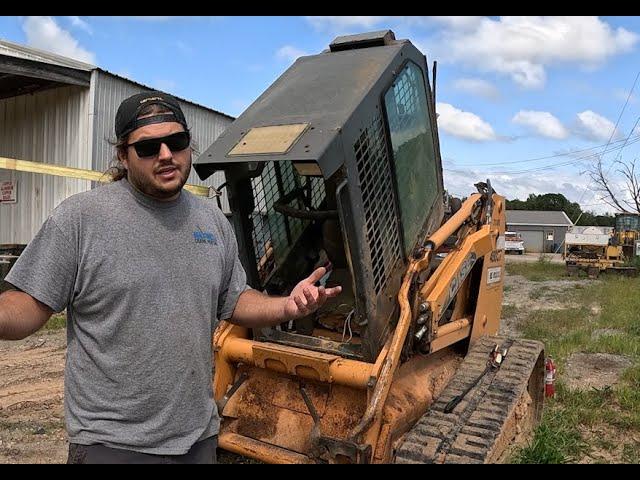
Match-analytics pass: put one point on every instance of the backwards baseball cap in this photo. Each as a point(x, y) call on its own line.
point(127, 116)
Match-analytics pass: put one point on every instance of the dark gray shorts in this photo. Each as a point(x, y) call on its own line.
point(201, 452)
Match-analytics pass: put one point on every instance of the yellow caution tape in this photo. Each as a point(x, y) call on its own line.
point(80, 173)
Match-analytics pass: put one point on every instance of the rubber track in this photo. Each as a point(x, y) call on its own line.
point(468, 434)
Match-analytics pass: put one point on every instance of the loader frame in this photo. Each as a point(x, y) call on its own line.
point(479, 225)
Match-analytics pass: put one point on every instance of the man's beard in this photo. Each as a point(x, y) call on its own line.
point(148, 187)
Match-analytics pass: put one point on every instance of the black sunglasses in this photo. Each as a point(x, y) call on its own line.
point(151, 146)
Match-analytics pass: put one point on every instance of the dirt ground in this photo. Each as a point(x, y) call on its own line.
point(534, 257)
point(31, 393)
point(604, 370)
point(584, 370)
point(31, 377)
point(526, 296)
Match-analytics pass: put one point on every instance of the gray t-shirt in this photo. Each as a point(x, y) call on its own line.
point(144, 284)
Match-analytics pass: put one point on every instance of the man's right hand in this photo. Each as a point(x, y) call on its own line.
point(21, 315)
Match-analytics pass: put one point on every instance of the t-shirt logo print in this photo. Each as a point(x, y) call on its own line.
point(201, 236)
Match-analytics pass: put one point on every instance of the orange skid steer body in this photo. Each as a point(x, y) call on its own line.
point(338, 163)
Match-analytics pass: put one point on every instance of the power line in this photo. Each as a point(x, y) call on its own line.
point(527, 160)
point(594, 204)
point(612, 163)
point(626, 142)
point(612, 133)
point(620, 151)
point(569, 162)
point(556, 165)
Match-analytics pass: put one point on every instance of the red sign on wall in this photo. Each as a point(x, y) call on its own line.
point(8, 192)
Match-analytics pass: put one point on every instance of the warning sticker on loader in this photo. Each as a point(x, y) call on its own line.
point(494, 275)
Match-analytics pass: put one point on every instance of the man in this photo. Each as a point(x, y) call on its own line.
point(145, 271)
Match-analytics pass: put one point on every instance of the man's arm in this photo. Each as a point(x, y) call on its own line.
point(21, 315)
point(255, 309)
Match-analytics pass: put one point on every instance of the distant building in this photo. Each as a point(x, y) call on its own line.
point(542, 231)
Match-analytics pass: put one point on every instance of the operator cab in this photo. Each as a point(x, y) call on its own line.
point(337, 164)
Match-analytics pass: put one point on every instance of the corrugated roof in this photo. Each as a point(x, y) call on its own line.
point(29, 53)
point(20, 51)
point(179, 98)
point(537, 217)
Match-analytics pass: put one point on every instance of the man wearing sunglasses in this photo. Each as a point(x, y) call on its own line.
point(145, 271)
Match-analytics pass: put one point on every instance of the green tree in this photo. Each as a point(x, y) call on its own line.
point(559, 203)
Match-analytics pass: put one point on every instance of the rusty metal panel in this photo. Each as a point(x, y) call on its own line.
point(270, 407)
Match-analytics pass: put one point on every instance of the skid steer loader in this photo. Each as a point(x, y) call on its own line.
point(338, 164)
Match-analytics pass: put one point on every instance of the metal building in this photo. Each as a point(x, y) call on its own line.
point(61, 111)
point(542, 231)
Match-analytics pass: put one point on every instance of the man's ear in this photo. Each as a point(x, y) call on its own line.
point(122, 156)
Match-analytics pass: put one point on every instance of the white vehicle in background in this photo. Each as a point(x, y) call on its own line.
point(513, 243)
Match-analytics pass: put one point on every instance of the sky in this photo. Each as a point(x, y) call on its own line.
point(528, 102)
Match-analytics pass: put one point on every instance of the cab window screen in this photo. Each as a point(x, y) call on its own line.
point(413, 151)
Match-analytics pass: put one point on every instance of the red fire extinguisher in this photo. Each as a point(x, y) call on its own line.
point(550, 377)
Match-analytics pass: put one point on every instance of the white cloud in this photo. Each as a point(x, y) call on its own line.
point(44, 33)
point(463, 124)
point(290, 53)
point(79, 23)
point(542, 123)
point(476, 86)
point(458, 22)
point(522, 47)
point(569, 183)
point(341, 22)
point(595, 127)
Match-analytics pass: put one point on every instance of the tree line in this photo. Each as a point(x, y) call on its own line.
point(558, 202)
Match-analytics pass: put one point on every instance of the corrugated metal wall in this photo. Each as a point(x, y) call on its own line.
point(55, 126)
point(52, 126)
point(110, 90)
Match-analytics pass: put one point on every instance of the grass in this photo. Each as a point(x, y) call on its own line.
point(536, 294)
point(631, 453)
point(509, 311)
point(634, 262)
point(56, 322)
point(538, 271)
point(35, 428)
point(556, 440)
point(615, 410)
